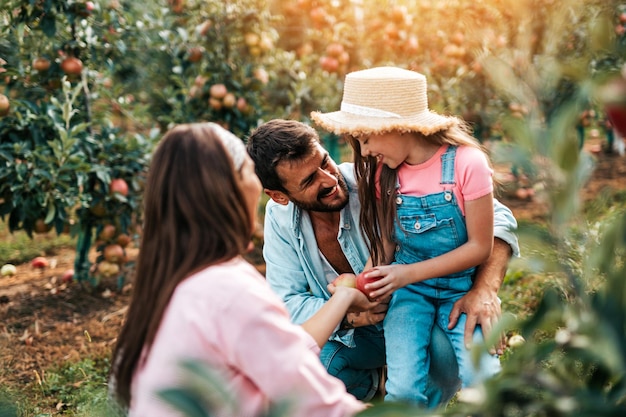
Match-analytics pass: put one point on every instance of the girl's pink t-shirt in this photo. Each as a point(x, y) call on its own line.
point(472, 175)
point(226, 316)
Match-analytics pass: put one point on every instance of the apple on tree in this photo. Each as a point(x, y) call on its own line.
point(118, 186)
point(107, 233)
point(41, 64)
point(5, 105)
point(108, 269)
point(114, 253)
point(123, 240)
point(72, 66)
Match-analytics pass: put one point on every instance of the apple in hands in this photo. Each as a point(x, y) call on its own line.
point(345, 280)
point(359, 281)
point(362, 281)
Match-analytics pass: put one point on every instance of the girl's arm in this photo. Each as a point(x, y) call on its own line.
point(479, 221)
point(324, 322)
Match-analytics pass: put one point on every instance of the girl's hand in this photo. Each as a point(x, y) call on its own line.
point(391, 277)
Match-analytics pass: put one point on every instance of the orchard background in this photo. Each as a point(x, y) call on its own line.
point(87, 88)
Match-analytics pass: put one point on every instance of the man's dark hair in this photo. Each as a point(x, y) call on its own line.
point(278, 141)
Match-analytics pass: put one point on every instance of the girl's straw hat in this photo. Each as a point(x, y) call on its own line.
point(383, 99)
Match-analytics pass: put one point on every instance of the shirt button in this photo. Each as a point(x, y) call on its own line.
point(399, 200)
point(417, 225)
point(347, 225)
point(397, 248)
point(448, 197)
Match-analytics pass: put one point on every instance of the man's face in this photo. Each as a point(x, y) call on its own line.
point(314, 183)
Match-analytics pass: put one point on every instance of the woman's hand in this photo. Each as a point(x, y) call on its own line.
point(358, 301)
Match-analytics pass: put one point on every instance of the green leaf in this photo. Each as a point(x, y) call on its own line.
point(102, 173)
point(51, 213)
point(185, 401)
point(79, 128)
point(48, 24)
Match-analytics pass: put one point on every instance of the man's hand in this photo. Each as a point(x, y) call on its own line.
point(482, 308)
point(369, 317)
point(481, 303)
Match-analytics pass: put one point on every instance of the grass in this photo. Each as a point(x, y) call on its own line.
point(74, 389)
point(18, 247)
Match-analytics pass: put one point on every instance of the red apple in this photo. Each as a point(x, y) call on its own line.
point(617, 115)
point(218, 91)
point(114, 253)
point(41, 64)
point(67, 276)
point(118, 186)
point(229, 100)
point(194, 54)
point(215, 103)
point(345, 280)
point(123, 240)
point(4, 105)
point(39, 262)
point(242, 105)
point(362, 281)
point(521, 193)
point(108, 269)
point(72, 66)
point(107, 233)
point(41, 226)
point(329, 64)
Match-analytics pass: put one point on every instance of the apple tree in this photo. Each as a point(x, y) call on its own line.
point(59, 154)
point(87, 88)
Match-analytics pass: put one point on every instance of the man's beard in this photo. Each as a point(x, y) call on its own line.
point(318, 205)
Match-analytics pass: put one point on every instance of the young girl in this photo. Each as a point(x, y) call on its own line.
point(427, 207)
point(195, 297)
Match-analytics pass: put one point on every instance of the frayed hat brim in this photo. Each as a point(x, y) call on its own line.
point(342, 123)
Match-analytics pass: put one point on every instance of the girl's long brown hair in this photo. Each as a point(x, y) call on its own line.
point(195, 216)
point(378, 216)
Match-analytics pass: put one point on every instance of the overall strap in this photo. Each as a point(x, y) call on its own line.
point(447, 165)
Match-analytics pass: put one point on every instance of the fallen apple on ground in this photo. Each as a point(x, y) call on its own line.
point(67, 276)
point(8, 270)
point(39, 262)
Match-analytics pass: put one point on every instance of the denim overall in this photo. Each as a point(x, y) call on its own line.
point(428, 226)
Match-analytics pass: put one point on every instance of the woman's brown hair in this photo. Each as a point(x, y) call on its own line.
point(378, 215)
point(195, 216)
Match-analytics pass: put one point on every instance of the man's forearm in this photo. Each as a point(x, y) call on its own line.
point(490, 273)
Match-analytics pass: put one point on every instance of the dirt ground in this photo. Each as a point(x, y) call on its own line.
point(44, 323)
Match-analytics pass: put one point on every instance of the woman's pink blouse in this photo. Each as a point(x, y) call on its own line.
point(227, 317)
